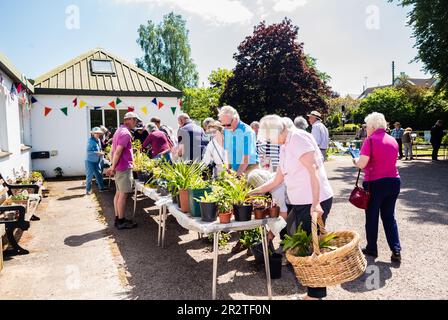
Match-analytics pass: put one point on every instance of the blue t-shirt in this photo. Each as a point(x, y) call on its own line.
point(239, 143)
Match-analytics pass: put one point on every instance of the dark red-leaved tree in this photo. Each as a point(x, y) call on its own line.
point(272, 76)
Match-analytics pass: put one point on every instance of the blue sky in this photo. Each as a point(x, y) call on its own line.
point(352, 39)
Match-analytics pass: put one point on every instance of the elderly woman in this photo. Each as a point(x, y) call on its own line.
point(302, 171)
point(94, 161)
point(379, 161)
point(301, 123)
point(215, 156)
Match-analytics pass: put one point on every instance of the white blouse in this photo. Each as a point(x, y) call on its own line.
point(214, 153)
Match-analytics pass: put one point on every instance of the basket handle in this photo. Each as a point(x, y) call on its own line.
point(317, 221)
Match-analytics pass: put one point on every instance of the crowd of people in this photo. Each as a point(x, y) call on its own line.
point(282, 150)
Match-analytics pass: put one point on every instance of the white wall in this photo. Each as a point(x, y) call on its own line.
point(10, 133)
point(67, 135)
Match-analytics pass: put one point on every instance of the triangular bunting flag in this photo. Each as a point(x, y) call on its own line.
point(144, 110)
point(174, 110)
point(82, 104)
point(131, 109)
point(65, 111)
point(118, 101)
point(97, 108)
point(181, 103)
point(75, 102)
point(33, 100)
point(19, 88)
point(112, 105)
point(160, 105)
point(154, 101)
point(47, 111)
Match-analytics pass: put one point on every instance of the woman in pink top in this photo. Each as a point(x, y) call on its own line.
point(379, 161)
point(302, 170)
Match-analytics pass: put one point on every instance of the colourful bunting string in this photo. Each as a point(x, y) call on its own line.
point(118, 101)
point(154, 101)
point(19, 88)
point(47, 111)
point(64, 111)
point(174, 110)
point(144, 110)
point(97, 108)
point(131, 109)
point(33, 100)
point(112, 104)
point(75, 102)
point(82, 104)
point(160, 105)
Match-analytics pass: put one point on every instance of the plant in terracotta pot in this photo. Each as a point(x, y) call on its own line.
point(260, 205)
point(224, 204)
point(274, 210)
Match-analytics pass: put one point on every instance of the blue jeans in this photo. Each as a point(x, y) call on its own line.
point(94, 169)
point(384, 194)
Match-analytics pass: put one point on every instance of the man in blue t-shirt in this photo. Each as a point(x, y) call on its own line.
point(397, 133)
point(240, 141)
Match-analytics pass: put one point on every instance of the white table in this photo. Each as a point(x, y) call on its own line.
point(165, 205)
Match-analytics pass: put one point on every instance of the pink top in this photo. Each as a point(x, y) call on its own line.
point(383, 158)
point(122, 137)
point(296, 176)
point(158, 142)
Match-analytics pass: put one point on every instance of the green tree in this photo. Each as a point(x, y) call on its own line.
point(429, 21)
point(201, 103)
point(167, 52)
point(339, 105)
point(312, 63)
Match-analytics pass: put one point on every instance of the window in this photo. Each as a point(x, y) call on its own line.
point(3, 126)
point(96, 118)
point(110, 119)
point(22, 124)
point(122, 113)
point(102, 67)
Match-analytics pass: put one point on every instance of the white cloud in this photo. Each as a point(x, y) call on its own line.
point(213, 11)
point(288, 5)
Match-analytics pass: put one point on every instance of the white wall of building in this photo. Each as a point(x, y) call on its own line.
point(66, 136)
point(10, 132)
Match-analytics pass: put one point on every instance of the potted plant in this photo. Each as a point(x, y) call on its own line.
point(224, 205)
point(238, 192)
point(274, 210)
point(198, 187)
point(260, 205)
point(251, 239)
point(275, 264)
point(59, 172)
point(209, 207)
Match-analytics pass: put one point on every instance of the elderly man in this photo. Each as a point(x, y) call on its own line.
point(191, 139)
point(301, 123)
point(122, 163)
point(397, 133)
point(239, 141)
point(319, 132)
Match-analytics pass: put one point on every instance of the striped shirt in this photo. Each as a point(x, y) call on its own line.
point(269, 154)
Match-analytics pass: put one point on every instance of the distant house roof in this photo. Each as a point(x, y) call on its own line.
point(11, 71)
point(98, 72)
point(423, 83)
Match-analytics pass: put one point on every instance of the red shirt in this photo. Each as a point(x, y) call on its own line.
point(383, 152)
point(158, 141)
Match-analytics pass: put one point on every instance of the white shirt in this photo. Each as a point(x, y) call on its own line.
point(214, 153)
point(320, 133)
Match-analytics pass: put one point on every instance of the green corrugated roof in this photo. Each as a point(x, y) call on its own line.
point(14, 73)
point(75, 77)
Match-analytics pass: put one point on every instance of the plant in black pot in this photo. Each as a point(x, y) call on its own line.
point(209, 207)
point(251, 239)
point(238, 191)
point(198, 188)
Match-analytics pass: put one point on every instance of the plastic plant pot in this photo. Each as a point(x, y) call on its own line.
point(209, 211)
point(257, 251)
point(242, 212)
point(195, 208)
point(275, 265)
point(259, 213)
point(224, 218)
point(274, 212)
point(183, 201)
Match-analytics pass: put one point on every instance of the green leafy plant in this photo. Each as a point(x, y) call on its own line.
point(19, 197)
point(250, 238)
point(208, 198)
point(300, 243)
point(223, 239)
point(181, 175)
point(58, 171)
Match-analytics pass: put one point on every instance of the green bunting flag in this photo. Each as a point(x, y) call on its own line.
point(174, 110)
point(118, 101)
point(64, 111)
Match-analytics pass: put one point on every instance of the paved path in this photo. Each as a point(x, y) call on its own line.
point(70, 237)
point(71, 256)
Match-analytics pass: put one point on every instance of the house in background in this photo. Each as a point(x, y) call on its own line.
point(96, 88)
point(15, 119)
point(421, 83)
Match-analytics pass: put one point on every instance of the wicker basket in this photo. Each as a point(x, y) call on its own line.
point(342, 265)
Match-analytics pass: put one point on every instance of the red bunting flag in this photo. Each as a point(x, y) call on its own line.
point(131, 109)
point(75, 102)
point(47, 111)
point(112, 105)
point(19, 88)
point(181, 103)
point(160, 105)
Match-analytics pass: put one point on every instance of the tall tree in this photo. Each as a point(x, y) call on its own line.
point(167, 52)
point(272, 75)
point(429, 21)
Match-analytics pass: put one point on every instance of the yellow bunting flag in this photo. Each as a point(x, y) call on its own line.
point(144, 110)
point(82, 104)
